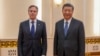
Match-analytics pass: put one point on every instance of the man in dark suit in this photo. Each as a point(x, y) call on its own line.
point(32, 39)
point(69, 39)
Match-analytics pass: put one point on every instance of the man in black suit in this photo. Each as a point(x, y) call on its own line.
point(32, 39)
point(69, 39)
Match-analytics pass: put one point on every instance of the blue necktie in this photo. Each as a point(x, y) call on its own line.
point(66, 28)
point(32, 28)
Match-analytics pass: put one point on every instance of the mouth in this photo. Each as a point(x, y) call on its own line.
point(67, 15)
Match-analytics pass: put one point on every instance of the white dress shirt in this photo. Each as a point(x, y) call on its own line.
point(30, 24)
point(69, 21)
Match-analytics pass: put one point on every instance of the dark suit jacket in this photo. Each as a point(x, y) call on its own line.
point(74, 43)
point(28, 44)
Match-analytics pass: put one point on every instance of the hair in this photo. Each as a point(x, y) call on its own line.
point(68, 5)
point(33, 6)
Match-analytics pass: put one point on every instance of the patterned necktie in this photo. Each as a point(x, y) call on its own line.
point(32, 28)
point(66, 28)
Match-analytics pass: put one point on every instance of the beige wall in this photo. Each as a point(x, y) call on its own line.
point(12, 12)
point(83, 11)
point(15, 11)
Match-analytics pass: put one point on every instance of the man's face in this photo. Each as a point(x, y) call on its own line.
point(32, 13)
point(67, 12)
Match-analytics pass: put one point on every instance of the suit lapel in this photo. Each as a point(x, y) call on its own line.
point(37, 26)
point(27, 26)
point(62, 28)
point(71, 26)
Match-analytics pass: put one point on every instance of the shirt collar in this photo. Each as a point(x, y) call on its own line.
point(67, 20)
point(35, 20)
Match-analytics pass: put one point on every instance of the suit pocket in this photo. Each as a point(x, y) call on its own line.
point(71, 44)
point(70, 52)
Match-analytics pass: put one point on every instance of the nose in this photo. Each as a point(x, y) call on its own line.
point(67, 11)
point(32, 11)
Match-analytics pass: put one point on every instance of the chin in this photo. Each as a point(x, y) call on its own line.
point(32, 18)
point(67, 18)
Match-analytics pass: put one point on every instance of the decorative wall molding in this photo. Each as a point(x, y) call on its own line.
point(92, 40)
point(13, 44)
point(8, 44)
